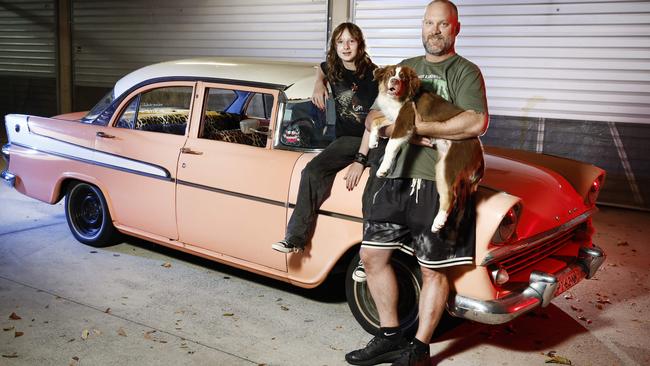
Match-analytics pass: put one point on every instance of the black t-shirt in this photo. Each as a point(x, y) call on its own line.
point(353, 98)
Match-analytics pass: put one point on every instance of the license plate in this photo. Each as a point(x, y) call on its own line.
point(569, 279)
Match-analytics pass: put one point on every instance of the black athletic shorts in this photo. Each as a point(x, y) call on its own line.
point(401, 215)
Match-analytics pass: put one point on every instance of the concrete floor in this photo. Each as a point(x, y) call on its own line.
point(120, 305)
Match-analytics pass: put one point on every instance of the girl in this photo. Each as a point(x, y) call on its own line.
point(348, 70)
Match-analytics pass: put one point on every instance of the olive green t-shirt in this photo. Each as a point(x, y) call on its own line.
point(457, 80)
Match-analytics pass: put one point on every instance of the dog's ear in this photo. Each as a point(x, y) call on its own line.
point(379, 73)
point(413, 81)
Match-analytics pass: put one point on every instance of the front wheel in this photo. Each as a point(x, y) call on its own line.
point(87, 214)
point(409, 281)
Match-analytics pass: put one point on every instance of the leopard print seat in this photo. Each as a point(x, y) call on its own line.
point(238, 137)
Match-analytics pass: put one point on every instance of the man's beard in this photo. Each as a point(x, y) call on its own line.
point(447, 45)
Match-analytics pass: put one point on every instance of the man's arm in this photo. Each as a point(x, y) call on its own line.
point(465, 125)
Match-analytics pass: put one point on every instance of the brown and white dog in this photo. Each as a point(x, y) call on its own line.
point(459, 167)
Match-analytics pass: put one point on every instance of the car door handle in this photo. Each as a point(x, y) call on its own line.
point(104, 135)
point(187, 150)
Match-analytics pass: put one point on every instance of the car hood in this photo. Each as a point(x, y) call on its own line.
point(548, 200)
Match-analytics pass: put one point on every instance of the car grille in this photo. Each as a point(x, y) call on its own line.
point(527, 257)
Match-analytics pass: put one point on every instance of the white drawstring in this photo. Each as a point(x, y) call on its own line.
point(416, 183)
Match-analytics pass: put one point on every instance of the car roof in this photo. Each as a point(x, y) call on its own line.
point(296, 79)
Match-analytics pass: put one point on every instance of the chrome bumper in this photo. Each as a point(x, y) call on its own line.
point(8, 178)
point(542, 288)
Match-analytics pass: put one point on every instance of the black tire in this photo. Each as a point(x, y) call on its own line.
point(363, 307)
point(87, 214)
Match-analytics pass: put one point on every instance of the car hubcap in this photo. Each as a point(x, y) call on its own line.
point(86, 210)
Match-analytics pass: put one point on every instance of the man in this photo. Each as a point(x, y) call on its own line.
point(404, 205)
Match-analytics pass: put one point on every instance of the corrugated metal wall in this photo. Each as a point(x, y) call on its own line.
point(568, 78)
point(27, 57)
point(112, 38)
point(575, 59)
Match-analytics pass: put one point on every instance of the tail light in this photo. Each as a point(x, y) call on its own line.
point(594, 190)
point(508, 226)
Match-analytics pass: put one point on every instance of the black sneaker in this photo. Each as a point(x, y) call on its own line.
point(410, 357)
point(378, 350)
point(285, 247)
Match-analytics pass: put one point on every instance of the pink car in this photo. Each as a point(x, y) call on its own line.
point(205, 156)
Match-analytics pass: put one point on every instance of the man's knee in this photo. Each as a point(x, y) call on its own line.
point(437, 277)
point(374, 259)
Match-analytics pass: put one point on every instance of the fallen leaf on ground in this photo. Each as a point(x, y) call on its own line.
point(284, 308)
point(166, 265)
point(107, 311)
point(14, 316)
point(10, 355)
point(148, 335)
point(228, 314)
point(121, 332)
point(8, 328)
point(84, 334)
point(18, 334)
point(560, 360)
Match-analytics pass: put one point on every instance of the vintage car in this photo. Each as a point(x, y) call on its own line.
point(205, 156)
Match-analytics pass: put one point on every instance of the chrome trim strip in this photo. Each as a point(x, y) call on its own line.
point(8, 178)
point(540, 291)
point(96, 163)
point(265, 200)
point(510, 249)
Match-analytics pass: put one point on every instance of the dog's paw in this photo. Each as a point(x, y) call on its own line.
point(373, 144)
point(438, 222)
point(381, 173)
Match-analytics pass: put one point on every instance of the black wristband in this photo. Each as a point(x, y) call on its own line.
point(361, 159)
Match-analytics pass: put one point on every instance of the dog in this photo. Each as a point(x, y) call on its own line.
point(459, 166)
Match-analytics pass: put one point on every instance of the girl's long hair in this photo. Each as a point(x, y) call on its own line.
point(362, 62)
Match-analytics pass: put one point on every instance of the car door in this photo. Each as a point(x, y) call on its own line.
point(139, 151)
point(232, 187)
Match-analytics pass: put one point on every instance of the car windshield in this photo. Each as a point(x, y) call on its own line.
point(304, 126)
point(99, 107)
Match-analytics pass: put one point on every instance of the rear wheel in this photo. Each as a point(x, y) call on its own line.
point(363, 306)
point(87, 214)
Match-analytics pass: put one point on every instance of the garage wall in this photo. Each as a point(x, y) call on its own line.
point(569, 78)
point(584, 60)
point(112, 38)
point(27, 57)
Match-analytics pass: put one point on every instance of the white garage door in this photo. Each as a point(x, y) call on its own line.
point(575, 59)
point(112, 38)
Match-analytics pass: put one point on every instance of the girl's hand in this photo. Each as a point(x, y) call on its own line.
point(353, 175)
point(319, 96)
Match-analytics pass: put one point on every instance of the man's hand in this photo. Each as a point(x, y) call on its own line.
point(320, 95)
point(422, 141)
point(353, 175)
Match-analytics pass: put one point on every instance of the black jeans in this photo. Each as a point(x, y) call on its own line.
point(316, 184)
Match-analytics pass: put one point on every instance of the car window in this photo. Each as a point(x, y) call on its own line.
point(306, 127)
point(260, 106)
point(100, 107)
point(226, 117)
point(163, 110)
point(127, 118)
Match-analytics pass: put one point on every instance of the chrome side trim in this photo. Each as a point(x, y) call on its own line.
point(8, 178)
point(540, 291)
point(264, 200)
point(165, 175)
point(510, 249)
